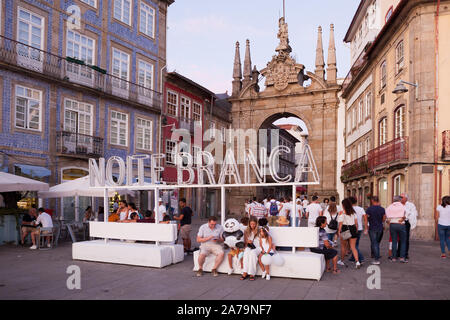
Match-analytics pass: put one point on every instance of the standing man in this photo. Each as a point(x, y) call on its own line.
point(46, 221)
point(313, 211)
point(305, 204)
point(257, 210)
point(411, 219)
point(286, 208)
point(395, 215)
point(272, 208)
point(162, 210)
point(376, 216)
point(210, 236)
point(362, 222)
point(185, 218)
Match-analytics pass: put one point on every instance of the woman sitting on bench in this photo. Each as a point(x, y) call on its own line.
point(325, 246)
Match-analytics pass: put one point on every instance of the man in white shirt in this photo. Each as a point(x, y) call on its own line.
point(299, 212)
point(286, 209)
point(162, 210)
point(257, 210)
point(305, 204)
point(411, 219)
point(46, 221)
point(362, 222)
point(313, 211)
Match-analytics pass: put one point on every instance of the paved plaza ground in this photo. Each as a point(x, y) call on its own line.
point(34, 274)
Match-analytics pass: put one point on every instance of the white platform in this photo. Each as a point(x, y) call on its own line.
point(301, 265)
point(128, 252)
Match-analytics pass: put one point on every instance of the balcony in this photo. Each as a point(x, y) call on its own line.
point(390, 153)
point(355, 168)
point(71, 70)
point(78, 145)
point(446, 145)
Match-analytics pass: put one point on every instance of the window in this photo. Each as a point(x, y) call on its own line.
point(222, 131)
point(122, 11)
point(382, 131)
point(349, 122)
point(354, 118)
point(360, 150)
point(170, 151)
point(368, 104)
point(77, 117)
point(30, 28)
point(361, 111)
point(28, 108)
point(389, 14)
point(383, 74)
point(212, 130)
point(197, 112)
point(185, 108)
point(147, 20)
point(145, 74)
point(400, 122)
point(119, 128)
point(172, 103)
point(399, 57)
point(399, 184)
point(367, 146)
point(82, 48)
point(92, 3)
point(349, 159)
point(120, 66)
point(144, 134)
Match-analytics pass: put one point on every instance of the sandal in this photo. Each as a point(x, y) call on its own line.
point(243, 277)
point(329, 270)
point(252, 278)
point(336, 271)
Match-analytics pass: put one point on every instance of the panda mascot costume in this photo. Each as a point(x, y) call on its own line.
point(233, 238)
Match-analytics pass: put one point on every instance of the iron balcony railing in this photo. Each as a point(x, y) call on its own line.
point(446, 145)
point(76, 144)
point(395, 150)
point(75, 71)
point(355, 168)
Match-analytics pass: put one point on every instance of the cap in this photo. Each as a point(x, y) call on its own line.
point(160, 199)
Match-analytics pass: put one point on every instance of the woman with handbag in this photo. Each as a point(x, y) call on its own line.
point(348, 231)
point(251, 251)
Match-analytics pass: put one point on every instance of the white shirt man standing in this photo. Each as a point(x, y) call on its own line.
point(360, 216)
point(411, 219)
point(313, 211)
point(162, 210)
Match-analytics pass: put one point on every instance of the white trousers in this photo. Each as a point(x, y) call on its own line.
point(250, 260)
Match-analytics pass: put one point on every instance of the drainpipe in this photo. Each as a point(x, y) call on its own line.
point(436, 108)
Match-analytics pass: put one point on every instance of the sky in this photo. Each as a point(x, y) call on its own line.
point(202, 34)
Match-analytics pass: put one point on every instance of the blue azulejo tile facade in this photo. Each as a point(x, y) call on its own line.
point(73, 110)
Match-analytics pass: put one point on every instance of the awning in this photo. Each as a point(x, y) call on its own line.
point(34, 171)
point(11, 182)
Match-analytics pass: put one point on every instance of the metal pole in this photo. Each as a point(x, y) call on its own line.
point(222, 205)
point(294, 209)
point(105, 207)
point(156, 209)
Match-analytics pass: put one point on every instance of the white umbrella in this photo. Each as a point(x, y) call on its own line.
point(79, 187)
point(11, 182)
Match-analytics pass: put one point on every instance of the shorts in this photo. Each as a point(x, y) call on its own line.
point(328, 253)
point(352, 229)
point(185, 231)
point(235, 252)
point(28, 229)
point(207, 248)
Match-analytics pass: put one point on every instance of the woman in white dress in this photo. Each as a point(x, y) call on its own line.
point(252, 250)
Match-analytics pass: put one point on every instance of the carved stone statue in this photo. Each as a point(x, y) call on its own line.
point(283, 36)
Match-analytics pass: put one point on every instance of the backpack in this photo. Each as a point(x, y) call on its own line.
point(333, 225)
point(273, 210)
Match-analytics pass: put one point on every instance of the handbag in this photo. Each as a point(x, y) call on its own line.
point(346, 234)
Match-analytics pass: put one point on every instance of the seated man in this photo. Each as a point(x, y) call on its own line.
point(209, 236)
point(45, 220)
point(27, 223)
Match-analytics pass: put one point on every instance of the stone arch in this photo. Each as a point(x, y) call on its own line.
point(285, 114)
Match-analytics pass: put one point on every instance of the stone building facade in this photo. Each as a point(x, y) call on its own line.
point(288, 93)
point(78, 79)
point(408, 139)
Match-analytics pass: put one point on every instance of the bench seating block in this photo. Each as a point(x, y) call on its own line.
point(113, 251)
point(177, 252)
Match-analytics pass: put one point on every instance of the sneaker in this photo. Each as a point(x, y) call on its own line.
point(199, 272)
point(263, 275)
point(393, 259)
point(402, 260)
point(358, 265)
point(268, 277)
point(376, 262)
point(443, 256)
point(230, 271)
point(49, 245)
point(33, 247)
point(341, 263)
point(214, 272)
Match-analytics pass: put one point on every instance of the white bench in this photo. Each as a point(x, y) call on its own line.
point(125, 252)
point(301, 264)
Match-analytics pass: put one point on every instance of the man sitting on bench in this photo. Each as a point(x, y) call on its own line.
point(210, 235)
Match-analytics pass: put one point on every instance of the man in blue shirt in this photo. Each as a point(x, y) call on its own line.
point(375, 217)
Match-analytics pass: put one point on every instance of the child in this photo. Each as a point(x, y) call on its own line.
point(244, 223)
point(265, 243)
point(263, 224)
point(235, 252)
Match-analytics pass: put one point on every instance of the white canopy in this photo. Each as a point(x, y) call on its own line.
point(11, 182)
point(78, 187)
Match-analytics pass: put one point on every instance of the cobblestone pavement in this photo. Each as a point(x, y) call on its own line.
point(34, 274)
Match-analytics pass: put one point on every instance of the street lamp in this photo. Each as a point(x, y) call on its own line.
point(400, 88)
